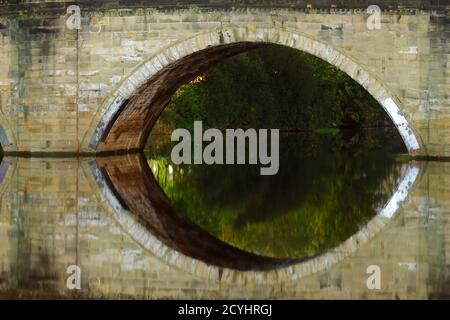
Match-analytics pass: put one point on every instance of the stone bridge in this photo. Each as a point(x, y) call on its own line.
point(99, 87)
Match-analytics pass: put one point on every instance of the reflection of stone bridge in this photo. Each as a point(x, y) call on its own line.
point(146, 214)
point(101, 87)
point(107, 217)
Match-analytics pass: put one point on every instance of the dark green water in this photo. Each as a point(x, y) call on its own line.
point(328, 186)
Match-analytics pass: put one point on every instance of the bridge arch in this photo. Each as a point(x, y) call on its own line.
point(125, 121)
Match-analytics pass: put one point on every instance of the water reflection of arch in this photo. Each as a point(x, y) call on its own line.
point(142, 209)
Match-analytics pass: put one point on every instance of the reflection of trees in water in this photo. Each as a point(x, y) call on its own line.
point(326, 188)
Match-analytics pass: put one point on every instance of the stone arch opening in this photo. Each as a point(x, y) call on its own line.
point(126, 121)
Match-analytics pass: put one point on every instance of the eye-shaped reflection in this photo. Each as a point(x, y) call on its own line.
point(130, 186)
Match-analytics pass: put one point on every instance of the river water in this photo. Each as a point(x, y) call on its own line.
point(139, 226)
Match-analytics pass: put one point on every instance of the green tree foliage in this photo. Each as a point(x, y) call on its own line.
point(271, 87)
